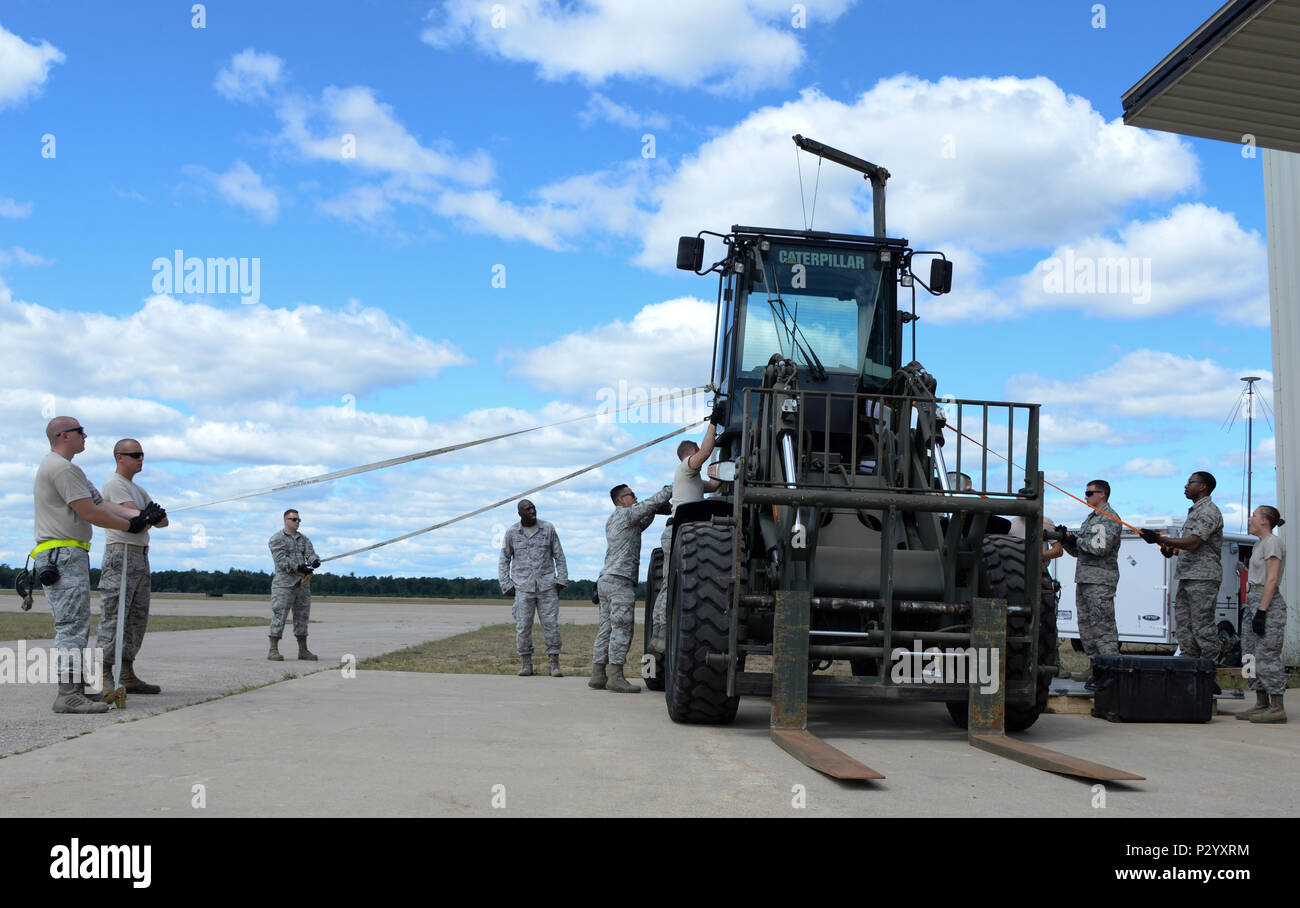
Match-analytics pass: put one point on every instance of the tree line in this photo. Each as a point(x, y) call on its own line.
point(259, 583)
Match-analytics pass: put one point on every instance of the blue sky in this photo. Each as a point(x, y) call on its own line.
point(522, 150)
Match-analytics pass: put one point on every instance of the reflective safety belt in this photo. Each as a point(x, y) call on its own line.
point(58, 544)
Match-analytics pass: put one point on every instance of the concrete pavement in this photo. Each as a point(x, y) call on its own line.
point(408, 744)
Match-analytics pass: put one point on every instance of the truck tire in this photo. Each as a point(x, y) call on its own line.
point(1002, 576)
point(652, 669)
point(695, 691)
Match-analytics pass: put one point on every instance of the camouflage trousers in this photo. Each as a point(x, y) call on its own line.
point(137, 602)
point(546, 603)
point(1270, 675)
point(661, 594)
point(69, 602)
point(284, 598)
point(1194, 618)
point(617, 620)
point(1096, 605)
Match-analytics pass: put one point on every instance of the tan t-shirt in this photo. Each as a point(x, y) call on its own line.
point(1269, 547)
point(59, 482)
point(688, 485)
point(120, 490)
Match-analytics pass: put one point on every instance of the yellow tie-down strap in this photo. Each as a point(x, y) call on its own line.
point(58, 544)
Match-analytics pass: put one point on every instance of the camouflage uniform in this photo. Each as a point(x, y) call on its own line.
point(69, 602)
point(137, 602)
point(59, 482)
point(1096, 576)
point(1270, 675)
point(617, 582)
point(120, 490)
point(1199, 574)
point(533, 564)
point(289, 551)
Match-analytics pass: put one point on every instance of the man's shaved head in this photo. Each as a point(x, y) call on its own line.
point(58, 425)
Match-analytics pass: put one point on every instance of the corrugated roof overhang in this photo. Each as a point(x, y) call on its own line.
point(1237, 75)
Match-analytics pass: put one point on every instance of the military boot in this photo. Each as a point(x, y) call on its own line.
point(526, 671)
point(617, 683)
point(274, 654)
point(303, 652)
point(1085, 675)
point(1261, 704)
point(598, 678)
point(1275, 714)
point(553, 662)
point(106, 692)
point(136, 685)
point(71, 700)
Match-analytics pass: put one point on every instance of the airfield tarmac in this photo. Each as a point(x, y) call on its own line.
point(411, 744)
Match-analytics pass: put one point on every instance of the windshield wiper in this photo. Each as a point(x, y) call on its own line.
point(791, 326)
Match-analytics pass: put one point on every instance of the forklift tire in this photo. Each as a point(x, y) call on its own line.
point(696, 692)
point(1002, 560)
point(652, 669)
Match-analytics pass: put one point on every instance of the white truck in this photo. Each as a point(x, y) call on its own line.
point(1144, 599)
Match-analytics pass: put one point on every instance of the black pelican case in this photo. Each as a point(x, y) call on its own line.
point(1153, 688)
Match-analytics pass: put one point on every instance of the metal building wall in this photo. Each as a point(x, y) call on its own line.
point(1282, 211)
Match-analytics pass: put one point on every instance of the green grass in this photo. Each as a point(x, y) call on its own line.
point(36, 626)
point(490, 650)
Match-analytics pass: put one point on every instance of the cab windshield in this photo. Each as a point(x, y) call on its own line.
point(816, 304)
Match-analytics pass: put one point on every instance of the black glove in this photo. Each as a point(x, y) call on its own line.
point(719, 415)
point(137, 523)
point(510, 593)
point(315, 563)
point(154, 514)
point(1150, 536)
point(595, 597)
point(1062, 533)
point(303, 569)
point(1257, 624)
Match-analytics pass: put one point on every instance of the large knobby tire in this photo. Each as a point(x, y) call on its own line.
point(652, 669)
point(1002, 576)
point(700, 568)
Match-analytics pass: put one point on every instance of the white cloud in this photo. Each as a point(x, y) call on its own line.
point(1157, 468)
point(600, 108)
point(604, 203)
point(17, 255)
point(9, 208)
point(23, 67)
point(1194, 257)
point(989, 164)
point(249, 76)
point(197, 352)
point(666, 345)
point(382, 144)
point(722, 45)
point(360, 204)
point(1142, 385)
point(242, 187)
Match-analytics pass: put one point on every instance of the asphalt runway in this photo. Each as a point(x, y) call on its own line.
point(409, 744)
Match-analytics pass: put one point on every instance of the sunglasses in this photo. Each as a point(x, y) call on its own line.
point(79, 430)
point(294, 519)
point(136, 454)
point(1091, 492)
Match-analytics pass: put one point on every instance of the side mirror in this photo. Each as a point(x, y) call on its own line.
point(690, 253)
point(940, 275)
